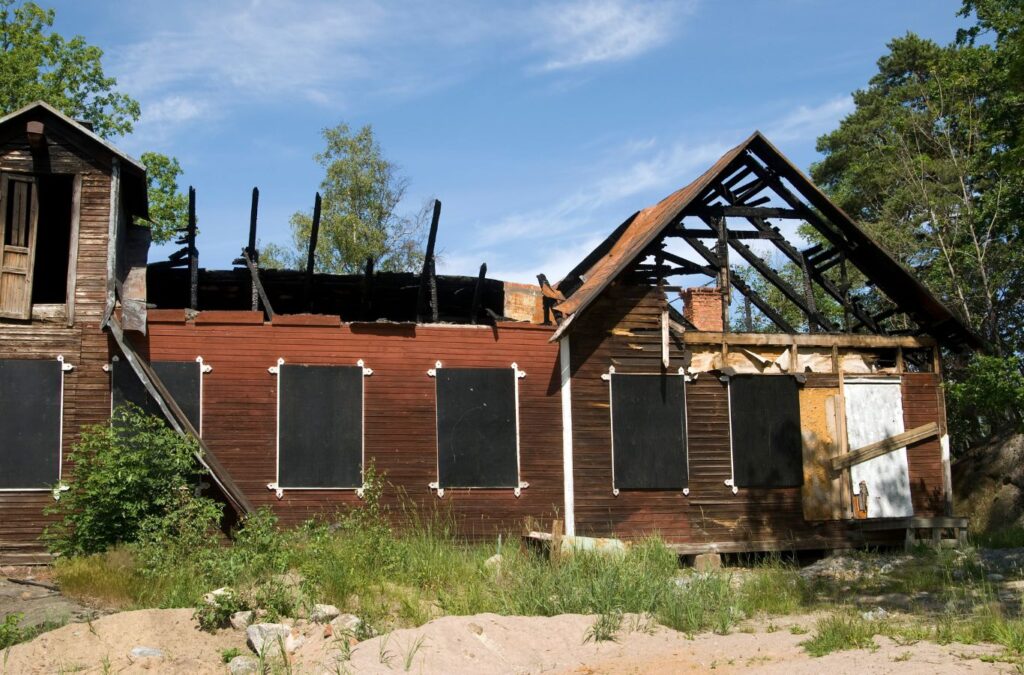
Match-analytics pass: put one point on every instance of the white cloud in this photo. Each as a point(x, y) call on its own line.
point(584, 32)
point(805, 122)
point(174, 110)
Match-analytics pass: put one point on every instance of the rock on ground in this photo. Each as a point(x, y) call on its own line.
point(261, 636)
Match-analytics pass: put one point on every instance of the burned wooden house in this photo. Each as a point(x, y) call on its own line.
point(618, 401)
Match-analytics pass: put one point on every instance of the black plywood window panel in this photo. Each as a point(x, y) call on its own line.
point(30, 424)
point(766, 442)
point(477, 427)
point(182, 379)
point(320, 438)
point(649, 432)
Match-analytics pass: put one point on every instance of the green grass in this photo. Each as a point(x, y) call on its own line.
point(841, 632)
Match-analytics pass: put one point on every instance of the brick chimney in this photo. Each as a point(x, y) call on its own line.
point(703, 308)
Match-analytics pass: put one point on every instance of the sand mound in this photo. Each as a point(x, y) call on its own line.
point(105, 645)
point(478, 645)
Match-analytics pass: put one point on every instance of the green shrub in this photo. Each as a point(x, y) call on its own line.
point(984, 398)
point(10, 631)
point(120, 475)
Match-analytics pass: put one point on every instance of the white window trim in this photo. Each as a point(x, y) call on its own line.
point(59, 487)
point(276, 486)
point(681, 372)
point(204, 368)
point(521, 485)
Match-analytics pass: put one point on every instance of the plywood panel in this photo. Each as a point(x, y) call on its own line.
point(874, 411)
point(821, 494)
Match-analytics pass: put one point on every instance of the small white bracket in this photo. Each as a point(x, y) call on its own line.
point(437, 486)
point(59, 488)
point(433, 371)
point(106, 367)
point(366, 373)
point(615, 491)
point(519, 373)
point(278, 491)
point(276, 370)
point(686, 492)
point(66, 367)
point(203, 367)
point(608, 376)
point(730, 483)
point(519, 490)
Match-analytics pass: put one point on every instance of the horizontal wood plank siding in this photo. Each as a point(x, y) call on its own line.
point(84, 345)
point(621, 329)
point(239, 410)
point(922, 403)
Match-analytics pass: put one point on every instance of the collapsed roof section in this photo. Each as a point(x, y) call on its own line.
point(736, 201)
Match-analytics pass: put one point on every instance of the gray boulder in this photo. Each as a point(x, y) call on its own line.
point(265, 636)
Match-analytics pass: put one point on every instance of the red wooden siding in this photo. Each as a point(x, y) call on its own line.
point(239, 408)
point(620, 330)
point(922, 403)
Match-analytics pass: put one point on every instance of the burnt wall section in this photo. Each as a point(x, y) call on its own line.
point(390, 295)
point(621, 329)
point(400, 427)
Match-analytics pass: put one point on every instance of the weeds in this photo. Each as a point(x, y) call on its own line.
point(605, 629)
point(841, 632)
point(410, 652)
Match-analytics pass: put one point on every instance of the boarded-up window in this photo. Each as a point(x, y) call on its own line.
point(649, 432)
point(183, 380)
point(766, 445)
point(320, 427)
point(477, 427)
point(30, 423)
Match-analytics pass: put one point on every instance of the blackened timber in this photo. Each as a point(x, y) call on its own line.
point(314, 233)
point(732, 234)
point(716, 211)
point(690, 266)
point(254, 272)
point(193, 252)
point(367, 303)
point(723, 278)
point(474, 312)
point(428, 281)
point(254, 255)
point(793, 254)
point(759, 302)
point(773, 277)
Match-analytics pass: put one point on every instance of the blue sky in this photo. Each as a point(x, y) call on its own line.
point(540, 125)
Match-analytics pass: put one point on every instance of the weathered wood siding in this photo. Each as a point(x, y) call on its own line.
point(239, 406)
point(622, 330)
point(86, 388)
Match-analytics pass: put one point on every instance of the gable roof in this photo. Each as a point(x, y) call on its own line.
point(634, 236)
point(134, 170)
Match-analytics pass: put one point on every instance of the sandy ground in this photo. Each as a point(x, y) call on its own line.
point(478, 645)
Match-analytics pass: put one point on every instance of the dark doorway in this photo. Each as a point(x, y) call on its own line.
point(53, 240)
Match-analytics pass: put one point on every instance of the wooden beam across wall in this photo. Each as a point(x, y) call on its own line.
point(885, 446)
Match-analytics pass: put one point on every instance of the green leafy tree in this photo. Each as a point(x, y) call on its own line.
point(66, 73)
point(360, 193)
point(168, 206)
point(122, 475)
point(917, 163)
point(38, 64)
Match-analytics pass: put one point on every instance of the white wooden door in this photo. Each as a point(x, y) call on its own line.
point(874, 411)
